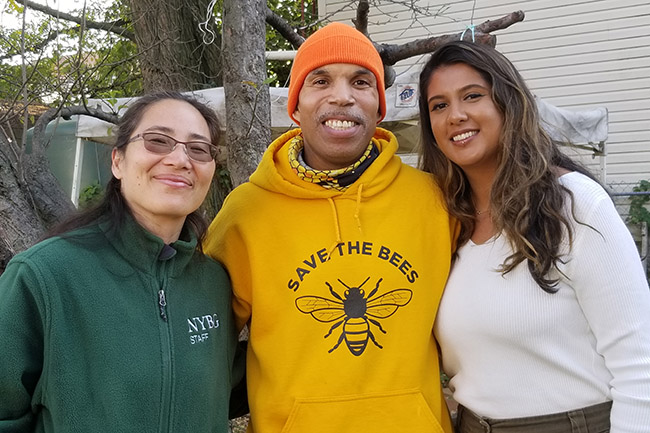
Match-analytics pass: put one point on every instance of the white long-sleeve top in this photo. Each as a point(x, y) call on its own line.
point(514, 350)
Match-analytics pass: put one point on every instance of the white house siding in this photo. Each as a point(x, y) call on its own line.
point(574, 54)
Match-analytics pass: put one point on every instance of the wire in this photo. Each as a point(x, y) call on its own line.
point(208, 35)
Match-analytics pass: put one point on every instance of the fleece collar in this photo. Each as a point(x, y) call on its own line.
point(148, 252)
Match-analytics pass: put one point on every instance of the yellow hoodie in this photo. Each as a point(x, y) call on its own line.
point(340, 290)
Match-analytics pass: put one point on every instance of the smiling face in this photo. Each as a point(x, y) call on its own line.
point(161, 190)
point(338, 111)
point(465, 121)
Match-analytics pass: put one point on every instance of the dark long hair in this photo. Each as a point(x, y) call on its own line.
point(526, 199)
point(113, 207)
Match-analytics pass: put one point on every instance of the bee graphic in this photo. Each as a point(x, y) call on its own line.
point(354, 312)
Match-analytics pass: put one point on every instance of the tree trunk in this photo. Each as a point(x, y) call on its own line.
point(51, 202)
point(21, 223)
point(248, 106)
point(174, 53)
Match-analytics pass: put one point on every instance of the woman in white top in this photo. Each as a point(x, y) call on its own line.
point(544, 325)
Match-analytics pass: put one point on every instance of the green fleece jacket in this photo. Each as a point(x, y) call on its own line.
point(103, 332)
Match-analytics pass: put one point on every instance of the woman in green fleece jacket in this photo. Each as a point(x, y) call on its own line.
point(119, 323)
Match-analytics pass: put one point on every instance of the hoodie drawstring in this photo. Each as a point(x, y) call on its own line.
point(337, 226)
point(357, 209)
point(337, 229)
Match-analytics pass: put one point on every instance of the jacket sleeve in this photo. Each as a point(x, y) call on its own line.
point(613, 293)
point(22, 342)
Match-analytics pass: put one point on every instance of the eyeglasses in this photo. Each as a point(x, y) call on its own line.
point(162, 144)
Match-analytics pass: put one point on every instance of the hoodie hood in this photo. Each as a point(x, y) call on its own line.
point(275, 174)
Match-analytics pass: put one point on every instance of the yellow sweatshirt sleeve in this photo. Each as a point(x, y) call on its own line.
point(224, 242)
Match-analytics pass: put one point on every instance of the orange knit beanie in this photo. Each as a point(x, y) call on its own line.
point(335, 43)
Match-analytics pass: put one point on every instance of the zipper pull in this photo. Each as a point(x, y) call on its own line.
point(162, 303)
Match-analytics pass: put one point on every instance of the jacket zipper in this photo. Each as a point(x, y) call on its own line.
point(165, 331)
point(162, 303)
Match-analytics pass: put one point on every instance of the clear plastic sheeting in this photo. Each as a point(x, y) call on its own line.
point(98, 130)
point(587, 129)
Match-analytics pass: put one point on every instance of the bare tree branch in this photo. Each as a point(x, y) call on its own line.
point(361, 22)
point(109, 27)
point(49, 115)
point(284, 28)
point(504, 22)
point(393, 53)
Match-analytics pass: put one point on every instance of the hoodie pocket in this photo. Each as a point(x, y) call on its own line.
point(404, 411)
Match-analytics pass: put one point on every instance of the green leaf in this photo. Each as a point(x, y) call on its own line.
point(639, 212)
point(91, 195)
point(15, 6)
point(270, 79)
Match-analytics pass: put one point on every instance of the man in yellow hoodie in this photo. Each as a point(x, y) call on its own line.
point(338, 255)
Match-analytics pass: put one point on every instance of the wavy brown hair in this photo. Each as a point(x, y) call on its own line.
point(526, 200)
point(113, 207)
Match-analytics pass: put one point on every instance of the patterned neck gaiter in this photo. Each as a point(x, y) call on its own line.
point(338, 179)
